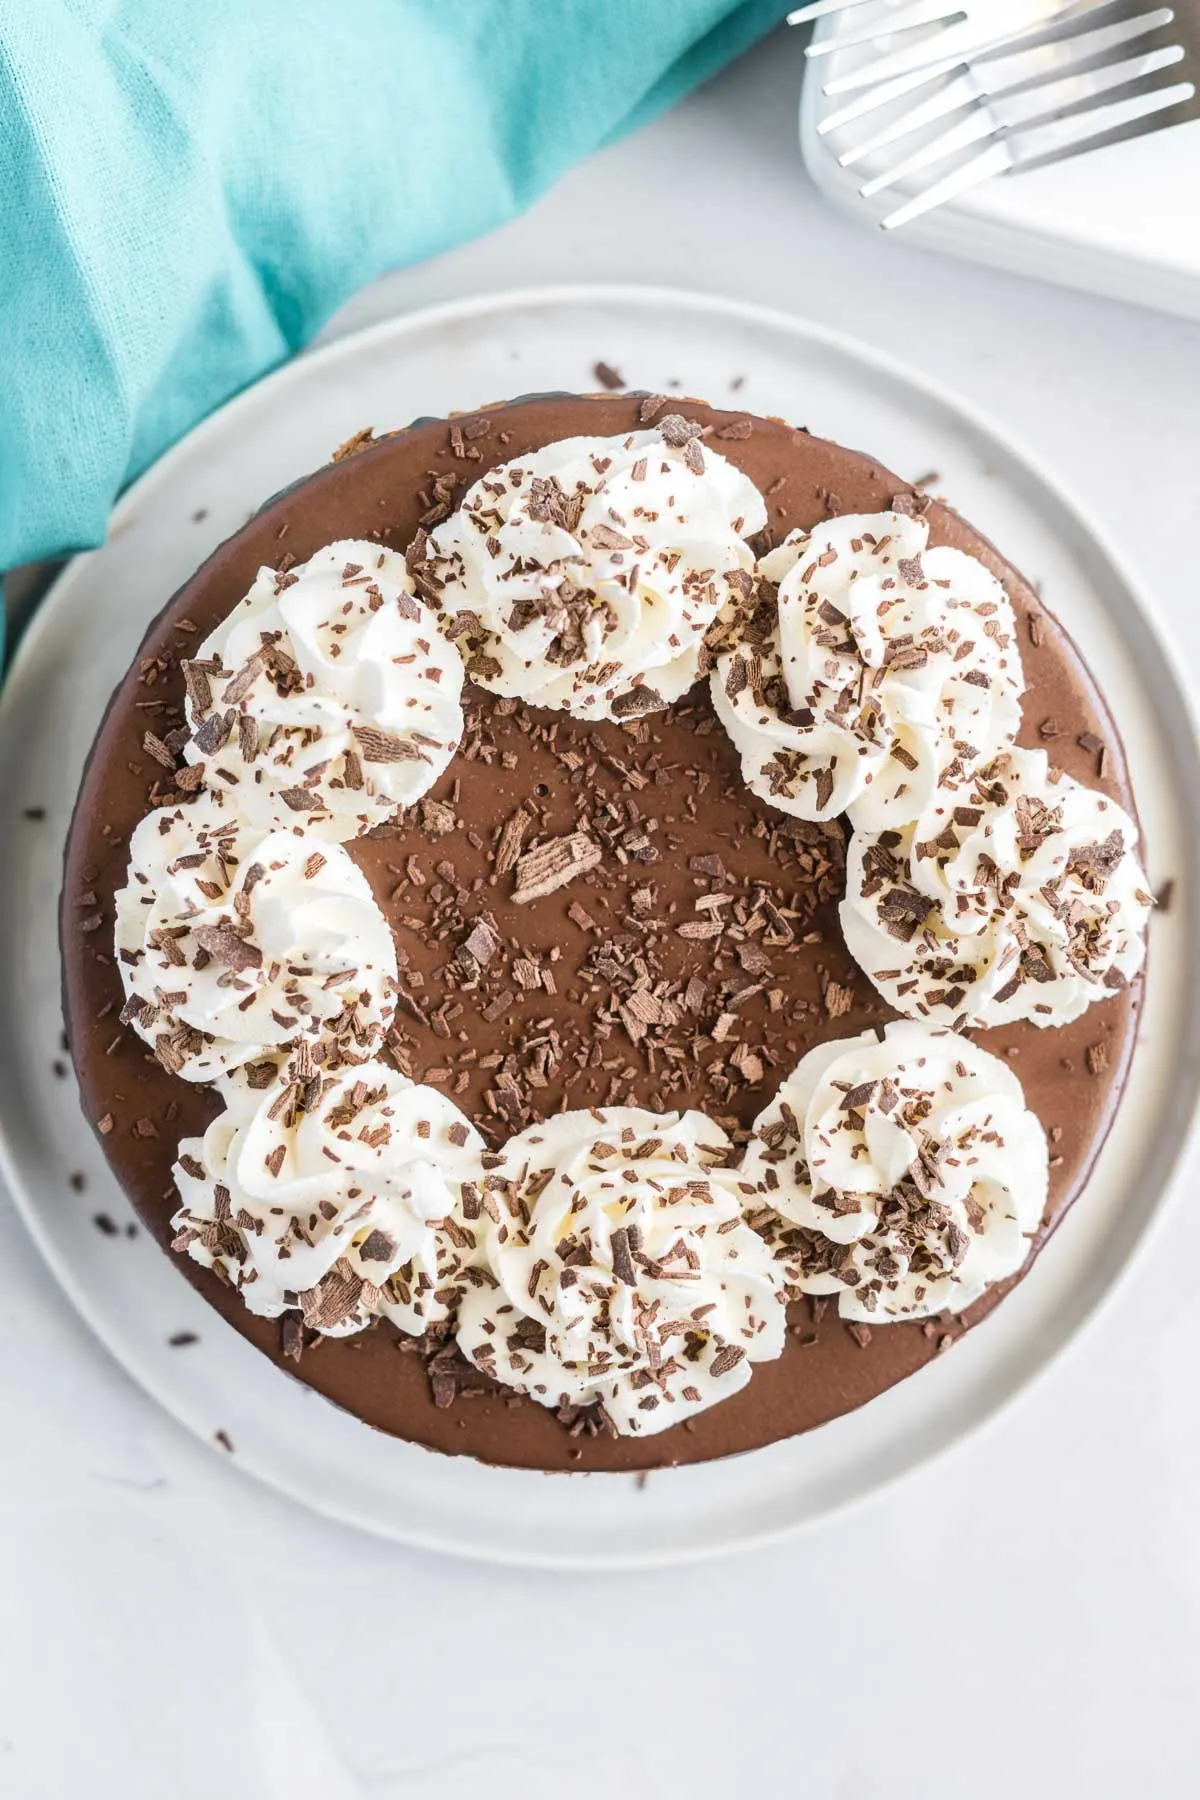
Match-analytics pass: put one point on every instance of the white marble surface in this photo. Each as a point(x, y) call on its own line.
point(1023, 1617)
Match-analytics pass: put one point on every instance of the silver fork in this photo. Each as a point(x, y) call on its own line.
point(1060, 84)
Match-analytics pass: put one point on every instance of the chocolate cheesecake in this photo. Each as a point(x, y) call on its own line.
point(587, 912)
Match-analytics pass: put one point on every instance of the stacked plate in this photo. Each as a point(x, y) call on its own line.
point(1119, 220)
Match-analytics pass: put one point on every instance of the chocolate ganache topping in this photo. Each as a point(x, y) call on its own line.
point(485, 993)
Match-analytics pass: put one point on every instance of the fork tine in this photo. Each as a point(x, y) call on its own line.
point(1084, 18)
point(1003, 115)
point(1092, 85)
point(1017, 70)
point(960, 91)
point(820, 9)
point(1047, 139)
point(1077, 124)
point(995, 160)
point(977, 124)
point(887, 91)
point(1076, 47)
point(955, 44)
point(911, 18)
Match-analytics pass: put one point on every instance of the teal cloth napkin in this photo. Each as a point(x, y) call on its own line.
point(189, 188)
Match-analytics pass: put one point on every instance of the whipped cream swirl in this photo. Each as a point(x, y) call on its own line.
point(232, 941)
point(339, 1195)
point(904, 1175)
point(328, 697)
point(585, 575)
point(881, 670)
point(1017, 896)
point(625, 1275)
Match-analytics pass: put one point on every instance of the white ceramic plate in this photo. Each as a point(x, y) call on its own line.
point(464, 356)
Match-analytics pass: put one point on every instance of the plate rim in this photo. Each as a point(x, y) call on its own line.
point(266, 393)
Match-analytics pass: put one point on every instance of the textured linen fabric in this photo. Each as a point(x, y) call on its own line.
point(189, 188)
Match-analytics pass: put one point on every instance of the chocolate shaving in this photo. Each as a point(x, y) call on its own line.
point(551, 865)
point(386, 747)
point(196, 682)
point(361, 440)
point(636, 701)
point(512, 837)
point(247, 736)
point(154, 746)
point(377, 1246)
point(838, 999)
point(481, 942)
point(437, 818)
point(240, 685)
point(678, 431)
point(225, 945)
point(214, 732)
point(622, 1257)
